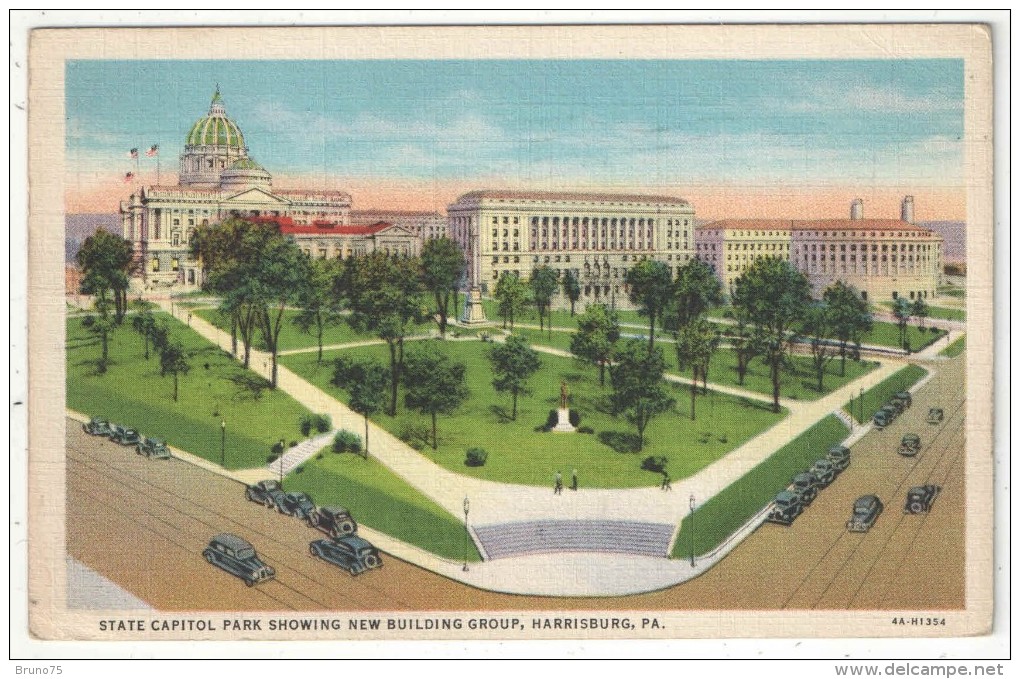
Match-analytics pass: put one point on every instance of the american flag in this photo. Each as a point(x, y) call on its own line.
point(133, 154)
point(128, 177)
point(153, 151)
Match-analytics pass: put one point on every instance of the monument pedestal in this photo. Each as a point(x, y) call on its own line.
point(474, 312)
point(563, 421)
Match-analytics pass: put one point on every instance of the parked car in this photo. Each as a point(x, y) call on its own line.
point(804, 486)
point(786, 507)
point(884, 417)
point(904, 397)
point(839, 456)
point(352, 553)
point(866, 511)
point(910, 445)
point(153, 448)
point(935, 415)
point(236, 556)
point(897, 405)
point(920, 498)
point(267, 493)
point(125, 436)
point(97, 426)
point(295, 504)
point(824, 471)
point(333, 521)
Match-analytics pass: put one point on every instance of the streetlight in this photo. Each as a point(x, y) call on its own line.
point(467, 507)
point(861, 401)
point(282, 448)
point(223, 443)
point(692, 529)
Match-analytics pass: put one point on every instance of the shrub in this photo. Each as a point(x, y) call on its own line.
point(292, 444)
point(654, 463)
point(277, 449)
point(476, 457)
point(585, 430)
point(306, 425)
point(346, 442)
point(323, 423)
point(88, 321)
point(273, 457)
point(573, 417)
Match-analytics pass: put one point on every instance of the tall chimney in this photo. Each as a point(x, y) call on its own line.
point(907, 209)
point(857, 209)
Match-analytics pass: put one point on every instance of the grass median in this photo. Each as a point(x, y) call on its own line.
point(879, 395)
point(956, 348)
point(719, 517)
point(380, 499)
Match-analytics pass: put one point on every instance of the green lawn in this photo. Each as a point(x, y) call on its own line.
point(888, 335)
point(520, 454)
point(291, 336)
point(952, 291)
point(956, 348)
point(798, 381)
point(730, 509)
point(133, 393)
point(382, 500)
point(879, 394)
point(561, 317)
point(943, 313)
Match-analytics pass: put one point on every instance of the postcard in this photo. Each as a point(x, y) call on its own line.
point(510, 332)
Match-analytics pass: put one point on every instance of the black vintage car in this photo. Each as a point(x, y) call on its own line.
point(921, 498)
point(866, 511)
point(910, 445)
point(333, 521)
point(153, 448)
point(295, 504)
point(904, 397)
point(839, 456)
point(805, 486)
point(352, 553)
point(236, 556)
point(824, 471)
point(124, 435)
point(785, 508)
point(884, 417)
point(266, 493)
point(97, 427)
point(935, 415)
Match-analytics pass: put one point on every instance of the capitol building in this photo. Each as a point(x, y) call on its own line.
point(219, 180)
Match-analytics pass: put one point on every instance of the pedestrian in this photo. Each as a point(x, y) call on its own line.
point(665, 482)
point(573, 480)
point(558, 484)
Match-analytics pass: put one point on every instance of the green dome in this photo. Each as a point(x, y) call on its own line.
point(215, 129)
point(246, 164)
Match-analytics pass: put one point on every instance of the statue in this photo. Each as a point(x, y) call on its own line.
point(563, 414)
point(563, 394)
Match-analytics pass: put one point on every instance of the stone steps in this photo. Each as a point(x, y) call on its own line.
point(301, 452)
point(550, 536)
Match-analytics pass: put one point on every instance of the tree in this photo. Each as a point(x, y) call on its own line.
point(774, 297)
point(695, 344)
point(920, 310)
point(511, 297)
point(696, 290)
point(818, 327)
point(106, 262)
point(901, 312)
point(434, 384)
point(571, 289)
point(598, 331)
point(173, 360)
point(387, 298)
point(102, 326)
point(443, 264)
point(320, 305)
point(543, 283)
point(650, 287)
point(851, 319)
point(745, 343)
point(366, 383)
point(639, 392)
point(513, 363)
point(143, 322)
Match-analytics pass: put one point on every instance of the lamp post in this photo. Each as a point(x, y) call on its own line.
point(282, 448)
point(223, 443)
point(467, 507)
point(861, 401)
point(692, 530)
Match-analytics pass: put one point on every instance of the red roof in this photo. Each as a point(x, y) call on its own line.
point(321, 227)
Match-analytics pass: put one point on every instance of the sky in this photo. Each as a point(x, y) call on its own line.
point(737, 138)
